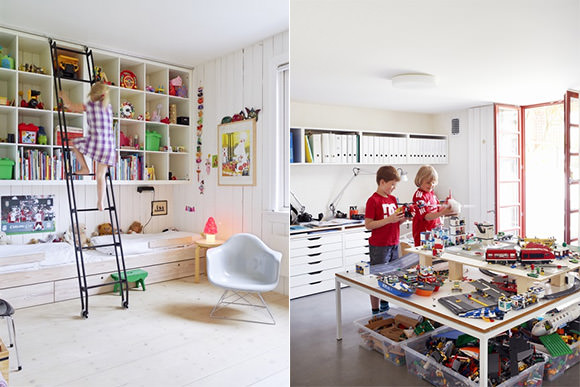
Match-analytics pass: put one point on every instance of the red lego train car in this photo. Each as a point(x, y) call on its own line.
point(526, 255)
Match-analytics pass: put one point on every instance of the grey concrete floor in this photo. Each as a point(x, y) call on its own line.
point(318, 359)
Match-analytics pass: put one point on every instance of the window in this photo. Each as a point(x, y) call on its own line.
point(572, 167)
point(283, 137)
point(537, 152)
point(509, 180)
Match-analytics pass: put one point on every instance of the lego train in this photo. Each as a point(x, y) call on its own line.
point(525, 256)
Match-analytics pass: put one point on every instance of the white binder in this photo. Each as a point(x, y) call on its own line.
point(343, 148)
point(326, 150)
point(316, 142)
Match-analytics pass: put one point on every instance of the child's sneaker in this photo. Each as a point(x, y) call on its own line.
point(376, 311)
point(384, 306)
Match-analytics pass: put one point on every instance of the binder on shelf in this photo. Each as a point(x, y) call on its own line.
point(344, 148)
point(316, 142)
point(307, 150)
point(364, 152)
point(326, 150)
point(291, 147)
point(349, 148)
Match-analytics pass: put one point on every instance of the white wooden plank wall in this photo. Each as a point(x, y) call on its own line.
point(232, 83)
point(131, 205)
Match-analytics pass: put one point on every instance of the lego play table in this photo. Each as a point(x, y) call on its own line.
point(430, 308)
point(458, 258)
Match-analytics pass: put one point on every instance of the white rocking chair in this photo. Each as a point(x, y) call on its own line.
point(245, 267)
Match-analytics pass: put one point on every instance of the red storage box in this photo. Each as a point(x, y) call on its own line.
point(27, 133)
point(72, 133)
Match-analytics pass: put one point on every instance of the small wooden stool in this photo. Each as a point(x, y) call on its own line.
point(136, 275)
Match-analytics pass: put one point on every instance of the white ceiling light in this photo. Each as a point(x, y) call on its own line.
point(414, 81)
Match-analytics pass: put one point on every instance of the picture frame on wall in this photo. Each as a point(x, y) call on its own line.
point(237, 153)
point(158, 207)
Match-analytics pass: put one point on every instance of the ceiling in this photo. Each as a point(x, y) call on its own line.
point(182, 32)
point(518, 52)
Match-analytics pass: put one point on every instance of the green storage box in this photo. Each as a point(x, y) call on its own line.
point(152, 140)
point(6, 168)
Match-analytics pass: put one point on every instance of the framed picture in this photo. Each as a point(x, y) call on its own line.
point(27, 214)
point(158, 207)
point(237, 153)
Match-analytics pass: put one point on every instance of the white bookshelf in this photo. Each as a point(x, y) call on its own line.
point(367, 147)
point(176, 145)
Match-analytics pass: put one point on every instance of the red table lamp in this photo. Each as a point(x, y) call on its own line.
point(210, 230)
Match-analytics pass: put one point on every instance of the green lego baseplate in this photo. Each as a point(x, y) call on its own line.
point(555, 345)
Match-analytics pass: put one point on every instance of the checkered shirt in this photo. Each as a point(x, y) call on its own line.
point(99, 142)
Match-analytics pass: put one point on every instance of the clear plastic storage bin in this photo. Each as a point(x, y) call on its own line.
point(373, 341)
point(556, 366)
point(440, 375)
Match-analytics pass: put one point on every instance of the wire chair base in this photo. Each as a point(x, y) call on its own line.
point(245, 297)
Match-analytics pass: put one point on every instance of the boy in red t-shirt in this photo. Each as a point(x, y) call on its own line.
point(382, 218)
point(427, 216)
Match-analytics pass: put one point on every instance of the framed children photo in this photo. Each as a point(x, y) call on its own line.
point(237, 153)
point(158, 207)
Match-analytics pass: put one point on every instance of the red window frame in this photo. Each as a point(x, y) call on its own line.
point(569, 126)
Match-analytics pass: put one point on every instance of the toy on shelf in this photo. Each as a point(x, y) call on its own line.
point(128, 79)
point(101, 76)
point(6, 61)
point(160, 89)
point(127, 110)
point(41, 138)
point(177, 88)
point(156, 116)
point(253, 113)
point(27, 133)
point(68, 66)
point(31, 68)
point(33, 102)
point(150, 89)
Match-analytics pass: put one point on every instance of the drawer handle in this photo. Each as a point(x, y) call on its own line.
point(315, 272)
point(314, 283)
point(314, 238)
point(314, 255)
point(314, 247)
point(314, 263)
point(367, 253)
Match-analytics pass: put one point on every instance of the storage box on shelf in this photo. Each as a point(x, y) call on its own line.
point(391, 349)
point(344, 146)
point(31, 80)
point(437, 374)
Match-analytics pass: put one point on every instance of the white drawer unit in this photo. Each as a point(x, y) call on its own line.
point(315, 257)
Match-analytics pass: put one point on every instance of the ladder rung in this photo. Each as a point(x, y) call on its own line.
point(104, 245)
point(92, 209)
point(70, 50)
point(105, 284)
point(73, 79)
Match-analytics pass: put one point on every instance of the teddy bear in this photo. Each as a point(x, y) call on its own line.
point(135, 227)
point(85, 240)
point(105, 229)
point(4, 238)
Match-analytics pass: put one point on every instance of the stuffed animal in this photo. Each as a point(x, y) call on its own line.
point(105, 229)
point(4, 238)
point(135, 227)
point(85, 241)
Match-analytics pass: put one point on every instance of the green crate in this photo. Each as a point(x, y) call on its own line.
point(152, 140)
point(6, 168)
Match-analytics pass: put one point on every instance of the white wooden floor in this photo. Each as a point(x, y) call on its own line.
point(165, 338)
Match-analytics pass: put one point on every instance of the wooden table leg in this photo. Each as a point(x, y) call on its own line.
point(455, 271)
point(196, 280)
point(425, 260)
point(558, 280)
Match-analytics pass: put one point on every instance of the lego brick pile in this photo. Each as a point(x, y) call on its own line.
point(510, 356)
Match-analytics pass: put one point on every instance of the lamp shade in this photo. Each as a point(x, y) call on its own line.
point(210, 229)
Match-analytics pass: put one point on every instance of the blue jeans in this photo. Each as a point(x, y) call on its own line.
point(383, 254)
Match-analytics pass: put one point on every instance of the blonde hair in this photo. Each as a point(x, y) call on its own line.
point(387, 173)
point(99, 92)
point(426, 173)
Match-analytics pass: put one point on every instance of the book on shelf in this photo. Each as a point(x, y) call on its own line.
point(307, 149)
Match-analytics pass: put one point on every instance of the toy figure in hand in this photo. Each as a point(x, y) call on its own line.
point(99, 143)
point(427, 217)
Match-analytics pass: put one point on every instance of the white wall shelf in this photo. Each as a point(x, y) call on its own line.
point(16, 83)
point(317, 146)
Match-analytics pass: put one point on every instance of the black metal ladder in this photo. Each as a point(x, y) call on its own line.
point(58, 76)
